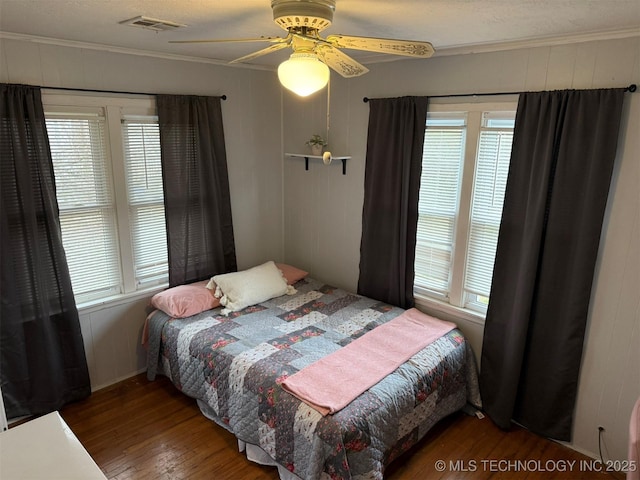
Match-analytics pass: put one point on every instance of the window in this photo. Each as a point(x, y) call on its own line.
point(106, 160)
point(464, 173)
point(146, 201)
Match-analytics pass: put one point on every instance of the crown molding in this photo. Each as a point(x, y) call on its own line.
point(444, 51)
point(440, 51)
point(550, 41)
point(125, 50)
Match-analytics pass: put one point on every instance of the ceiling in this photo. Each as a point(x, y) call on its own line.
point(452, 26)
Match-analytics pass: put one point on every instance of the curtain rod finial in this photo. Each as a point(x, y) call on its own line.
point(365, 99)
point(223, 97)
point(632, 88)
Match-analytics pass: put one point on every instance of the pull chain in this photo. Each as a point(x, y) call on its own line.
point(326, 156)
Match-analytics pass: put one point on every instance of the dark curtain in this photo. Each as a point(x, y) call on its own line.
point(196, 188)
point(391, 186)
point(43, 364)
point(561, 163)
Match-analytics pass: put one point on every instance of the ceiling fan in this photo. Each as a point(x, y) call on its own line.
point(304, 20)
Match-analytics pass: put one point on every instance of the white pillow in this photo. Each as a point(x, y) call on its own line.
point(238, 290)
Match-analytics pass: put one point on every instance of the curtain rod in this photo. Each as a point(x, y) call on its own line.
point(94, 90)
point(631, 88)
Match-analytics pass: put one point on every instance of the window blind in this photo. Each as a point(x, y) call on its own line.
point(492, 168)
point(143, 172)
point(442, 162)
point(85, 199)
point(455, 255)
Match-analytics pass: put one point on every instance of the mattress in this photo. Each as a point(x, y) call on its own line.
point(234, 366)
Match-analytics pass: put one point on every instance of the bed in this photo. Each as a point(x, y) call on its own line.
point(234, 366)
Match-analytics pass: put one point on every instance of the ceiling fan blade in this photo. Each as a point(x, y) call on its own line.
point(340, 62)
point(272, 48)
point(234, 40)
point(408, 48)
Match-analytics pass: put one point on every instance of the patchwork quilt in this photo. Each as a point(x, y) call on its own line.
point(234, 366)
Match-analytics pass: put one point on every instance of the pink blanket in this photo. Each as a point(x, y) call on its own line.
point(335, 380)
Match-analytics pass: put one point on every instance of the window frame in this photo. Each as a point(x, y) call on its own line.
point(116, 108)
point(138, 205)
point(454, 304)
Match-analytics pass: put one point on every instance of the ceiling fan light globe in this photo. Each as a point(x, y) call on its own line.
point(303, 74)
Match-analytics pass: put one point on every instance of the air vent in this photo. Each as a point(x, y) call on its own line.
point(152, 24)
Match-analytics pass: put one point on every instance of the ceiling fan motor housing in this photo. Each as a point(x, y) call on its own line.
point(317, 14)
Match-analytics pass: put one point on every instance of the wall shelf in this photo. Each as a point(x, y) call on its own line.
point(319, 157)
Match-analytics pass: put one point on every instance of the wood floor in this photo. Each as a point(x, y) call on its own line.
point(138, 429)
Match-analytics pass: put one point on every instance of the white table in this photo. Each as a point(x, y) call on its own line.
point(45, 448)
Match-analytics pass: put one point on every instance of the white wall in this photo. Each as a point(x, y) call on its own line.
point(252, 123)
point(323, 208)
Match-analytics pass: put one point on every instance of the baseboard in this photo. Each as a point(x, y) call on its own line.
point(95, 388)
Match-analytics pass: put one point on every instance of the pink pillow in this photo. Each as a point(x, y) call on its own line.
point(291, 274)
point(185, 300)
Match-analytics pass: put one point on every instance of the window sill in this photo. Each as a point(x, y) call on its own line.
point(449, 310)
point(104, 303)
